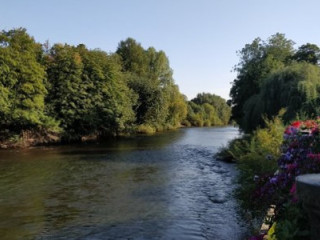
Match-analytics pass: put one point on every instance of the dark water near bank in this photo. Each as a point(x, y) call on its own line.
point(167, 186)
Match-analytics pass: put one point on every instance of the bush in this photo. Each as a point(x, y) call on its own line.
point(300, 154)
point(186, 123)
point(258, 158)
point(293, 223)
point(145, 129)
point(207, 123)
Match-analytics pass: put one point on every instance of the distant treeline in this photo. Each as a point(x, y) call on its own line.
point(272, 75)
point(207, 110)
point(72, 91)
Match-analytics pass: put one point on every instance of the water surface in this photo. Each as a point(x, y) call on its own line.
point(166, 186)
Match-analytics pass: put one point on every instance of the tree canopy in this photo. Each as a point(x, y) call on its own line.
point(76, 91)
point(160, 104)
point(208, 110)
point(272, 75)
point(22, 82)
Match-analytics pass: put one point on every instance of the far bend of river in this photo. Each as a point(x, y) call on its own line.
point(166, 186)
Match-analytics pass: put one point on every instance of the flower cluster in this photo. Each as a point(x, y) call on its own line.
point(300, 155)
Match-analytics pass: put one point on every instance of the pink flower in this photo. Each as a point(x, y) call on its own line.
point(315, 156)
point(291, 166)
point(310, 124)
point(288, 131)
point(293, 189)
point(293, 192)
point(314, 130)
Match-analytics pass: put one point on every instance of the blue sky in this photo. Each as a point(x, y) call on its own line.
point(200, 37)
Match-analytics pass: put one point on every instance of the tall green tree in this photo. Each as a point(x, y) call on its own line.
point(88, 92)
point(295, 88)
point(309, 53)
point(67, 95)
point(257, 61)
point(149, 75)
point(133, 57)
point(22, 82)
point(111, 98)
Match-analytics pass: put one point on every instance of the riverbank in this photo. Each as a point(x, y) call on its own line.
point(269, 160)
point(27, 139)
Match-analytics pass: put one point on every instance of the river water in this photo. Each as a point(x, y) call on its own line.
point(166, 186)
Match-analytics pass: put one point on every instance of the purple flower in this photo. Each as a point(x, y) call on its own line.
point(287, 156)
point(273, 180)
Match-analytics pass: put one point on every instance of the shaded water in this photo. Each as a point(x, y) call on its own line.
point(166, 186)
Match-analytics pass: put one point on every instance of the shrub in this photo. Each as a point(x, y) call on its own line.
point(186, 123)
point(300, 154)
point(145, 129)
point(207, 123)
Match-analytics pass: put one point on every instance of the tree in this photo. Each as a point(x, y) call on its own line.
point(112, 99)
point(22, 82)
point(257, 61)
point(221, 108)
point(309, 53)
point(177, 107)
point(295, 88)
point(67, 94)
point(88, 92)
point(149, 75)
point(195, 114)
point(133, 56)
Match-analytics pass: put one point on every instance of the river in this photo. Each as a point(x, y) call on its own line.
point(166, 186)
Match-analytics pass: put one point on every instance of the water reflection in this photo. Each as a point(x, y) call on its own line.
point(166, 186)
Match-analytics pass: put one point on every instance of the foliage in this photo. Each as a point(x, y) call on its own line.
point(222, 109)
point(22, 83)
point(149, 75)
point(309, 53)
point(87, 92)
point(208, 110)
point(256, 156)
point(146, 129)
point(69, 92)
point(234, 149)
point(177, 107)
point(271, 75)
point(295, 87)
point(293, 223)
point(257, 61)
point(300, 155)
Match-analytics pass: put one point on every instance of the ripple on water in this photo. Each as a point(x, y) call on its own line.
point(165, 186)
